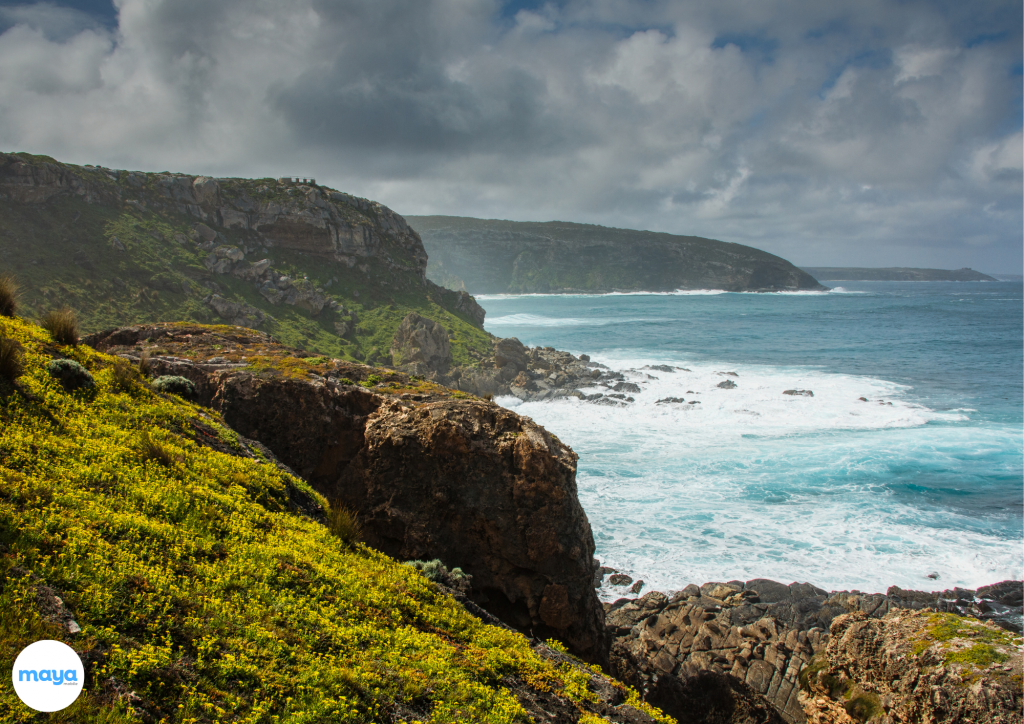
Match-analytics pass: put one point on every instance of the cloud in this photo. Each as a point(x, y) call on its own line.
point(866, 132)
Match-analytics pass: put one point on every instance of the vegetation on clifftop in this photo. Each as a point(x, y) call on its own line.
point(202, 590)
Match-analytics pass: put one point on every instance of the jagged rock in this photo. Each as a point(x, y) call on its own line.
point(206, 190)
point(666, 400)
point(620, 579)
point(727, 385)
point(895, 669)
point(421, 346)
point(798, 393)
point(239, 314)
point(466, 304)
point(204, 233)
point(627, 387)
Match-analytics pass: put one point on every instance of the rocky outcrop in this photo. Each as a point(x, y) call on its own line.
point(493, 257)
point(429, 475)
point(762, 635)
point(915, 667)
point(484, 489)
point(421, 346)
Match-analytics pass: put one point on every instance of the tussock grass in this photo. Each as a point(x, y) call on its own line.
point(62, 324)
point(344, 525)
point(124, 376)
point(12, 360)
point(8, 295)
point(150, 449)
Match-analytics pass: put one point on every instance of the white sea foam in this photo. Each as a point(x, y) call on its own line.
point(751, 482)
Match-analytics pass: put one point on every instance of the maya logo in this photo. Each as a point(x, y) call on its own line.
point(54, 676)
point(48, 675)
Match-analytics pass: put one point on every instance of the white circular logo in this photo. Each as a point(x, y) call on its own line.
point(48, 675)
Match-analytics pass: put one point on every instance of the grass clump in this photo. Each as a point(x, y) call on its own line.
point(863, 705)
point(344, 525)
point(124, 376)
point(12, 360)
point(71, 374)
point(150, 449)
point(8, 295)
point(62, 324)
point(175, 385)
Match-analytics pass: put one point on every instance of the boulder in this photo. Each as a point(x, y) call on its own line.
point(510, 351)
point(206, 190)
point(727, 385)
point(421, 346)
point(798, 393)
point(626, 387)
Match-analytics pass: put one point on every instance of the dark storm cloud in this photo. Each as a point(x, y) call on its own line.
point(863, 132)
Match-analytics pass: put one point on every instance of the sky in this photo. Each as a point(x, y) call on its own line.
point(840, 133)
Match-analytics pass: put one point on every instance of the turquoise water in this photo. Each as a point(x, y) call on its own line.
point(920, 486)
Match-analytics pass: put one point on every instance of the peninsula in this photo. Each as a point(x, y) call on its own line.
point(895, 274)
point(488, 256)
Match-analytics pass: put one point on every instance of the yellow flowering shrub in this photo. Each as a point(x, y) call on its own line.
point(201, 595)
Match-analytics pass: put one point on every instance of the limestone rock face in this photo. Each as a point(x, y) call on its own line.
point(421, 346)
point(898, 669)
point(482, 488)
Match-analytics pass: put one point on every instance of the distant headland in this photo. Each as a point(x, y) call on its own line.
point(895, 274)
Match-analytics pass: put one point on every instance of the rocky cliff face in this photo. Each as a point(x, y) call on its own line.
point(430, 472)
point(317, 221)
point(492, 257)
point(313, 266)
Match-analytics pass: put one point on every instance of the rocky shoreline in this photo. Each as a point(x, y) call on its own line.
point(435, 472)
point(752, 641)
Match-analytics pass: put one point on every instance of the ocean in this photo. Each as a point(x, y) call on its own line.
point(919, 486)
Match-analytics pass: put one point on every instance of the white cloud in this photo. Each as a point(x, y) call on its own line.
point(852, 131)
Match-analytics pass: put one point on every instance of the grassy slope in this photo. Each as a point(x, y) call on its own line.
point(200, 592)
point(61, 253)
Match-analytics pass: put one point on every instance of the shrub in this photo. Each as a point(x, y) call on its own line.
point(71, 374)
point(124, 376)
point(12, 360)
point(344, 524)
point(174, 385)
point(145, 368)
point(150, 449)
point(437, 572)
point(345, 381)
point(62, 324)
point(8, 295)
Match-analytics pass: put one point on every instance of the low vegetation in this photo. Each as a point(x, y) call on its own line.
point(203, 594)
point(62, 324)
point(8, 295)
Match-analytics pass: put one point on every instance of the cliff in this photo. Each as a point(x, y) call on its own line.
point(493, 257)
point(430, 472)
point(200, 579)
point(896, 274)
point(315, 267)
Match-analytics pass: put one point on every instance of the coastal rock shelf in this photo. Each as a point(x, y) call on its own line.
point(757, 639)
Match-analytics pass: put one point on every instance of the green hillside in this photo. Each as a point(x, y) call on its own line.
point(123, 254)
point(204, 584)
